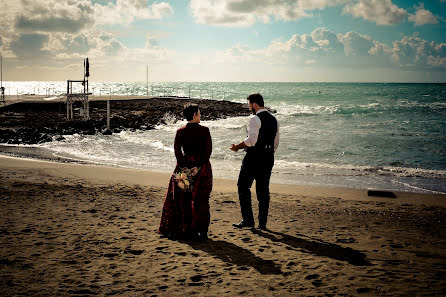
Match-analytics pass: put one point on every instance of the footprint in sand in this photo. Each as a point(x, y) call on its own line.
point(133, 252)
point(363, 290)
point(291, 263)
point(197, 278)
point(312, 276)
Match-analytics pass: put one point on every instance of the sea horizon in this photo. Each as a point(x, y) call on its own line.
point(239, 81)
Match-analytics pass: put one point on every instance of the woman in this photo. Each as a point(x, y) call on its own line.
point(186, 206)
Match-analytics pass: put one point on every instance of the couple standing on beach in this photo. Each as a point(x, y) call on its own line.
point(186, 206)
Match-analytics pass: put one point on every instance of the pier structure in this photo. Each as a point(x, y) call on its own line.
point(82, 96)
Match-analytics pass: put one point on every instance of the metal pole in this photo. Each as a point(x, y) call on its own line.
point(68, 96)
point(2, 99)
point(108, 114)
point(147, 77)
point(88, 103)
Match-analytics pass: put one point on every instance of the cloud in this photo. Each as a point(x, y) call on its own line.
point(418, 54)
point(350, 50)
point(66, 31)
point(382, 12)
point(127, 11)
point(356, 44)
point(73, 16)
point(53, 16)
point(105, 47)
point(422, 16)
point(243, 13)
point(30, 46)
point(216, 13)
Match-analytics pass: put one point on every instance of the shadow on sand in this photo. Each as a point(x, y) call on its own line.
point(317, 247)
point(233, 254)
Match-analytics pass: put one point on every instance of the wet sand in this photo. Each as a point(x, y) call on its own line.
point(72, 230)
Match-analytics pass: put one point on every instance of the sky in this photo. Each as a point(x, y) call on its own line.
point(224, 40)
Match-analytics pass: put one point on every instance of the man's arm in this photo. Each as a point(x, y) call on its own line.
point(241, 145)
point(253, 133)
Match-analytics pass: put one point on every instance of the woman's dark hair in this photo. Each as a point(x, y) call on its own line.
point(256, 98)
point(189, 110)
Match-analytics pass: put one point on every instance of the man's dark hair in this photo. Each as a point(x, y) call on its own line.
point(189, 110)
point(256, 98)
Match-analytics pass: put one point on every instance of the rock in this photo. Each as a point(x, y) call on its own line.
point(106, 132)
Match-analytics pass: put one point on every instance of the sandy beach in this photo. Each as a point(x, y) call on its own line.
point(72, 230)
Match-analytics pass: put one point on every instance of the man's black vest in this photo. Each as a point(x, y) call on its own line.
point(267, 133)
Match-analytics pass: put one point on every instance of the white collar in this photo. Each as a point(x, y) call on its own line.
point(261, 110)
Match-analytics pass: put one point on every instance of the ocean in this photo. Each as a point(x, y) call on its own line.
point(386, 136)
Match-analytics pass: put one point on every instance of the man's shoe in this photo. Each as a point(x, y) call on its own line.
point(262, 227)
point(242, 224)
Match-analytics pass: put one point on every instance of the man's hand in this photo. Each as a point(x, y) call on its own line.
point(241, 145)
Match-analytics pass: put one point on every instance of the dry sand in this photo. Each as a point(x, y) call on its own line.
point(68, 229)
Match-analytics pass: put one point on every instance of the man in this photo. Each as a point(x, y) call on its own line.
point(260, 146)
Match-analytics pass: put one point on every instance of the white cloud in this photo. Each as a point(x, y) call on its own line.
point(105, 47)
point(356, 44)
point(54, 32)
point(422, 16)
point(46, 16)
point(216, 13)
point(416, 53)
point(382, 12)
point(351, 50)
point(243, 13)
point(126, 11)
point(72, 16)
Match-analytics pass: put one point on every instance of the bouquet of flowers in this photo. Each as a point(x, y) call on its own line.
point(186, 178)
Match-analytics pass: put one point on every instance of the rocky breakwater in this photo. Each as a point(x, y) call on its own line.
point(38, 122)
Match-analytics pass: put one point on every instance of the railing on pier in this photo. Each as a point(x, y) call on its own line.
point(200, 93)
point(153, 91)
point(168, 91)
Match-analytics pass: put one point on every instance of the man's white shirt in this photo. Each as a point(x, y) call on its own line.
point(254, 125)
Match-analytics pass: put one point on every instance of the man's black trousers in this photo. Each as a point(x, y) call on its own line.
point(255, 166)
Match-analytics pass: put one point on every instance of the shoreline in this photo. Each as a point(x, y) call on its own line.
point(143, 177)
point(37, 153)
